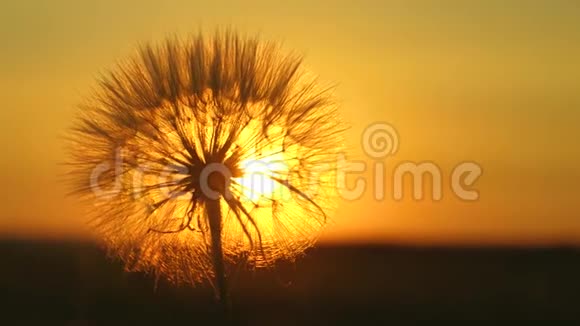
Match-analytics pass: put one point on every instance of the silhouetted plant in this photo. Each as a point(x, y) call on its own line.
point(199, 152)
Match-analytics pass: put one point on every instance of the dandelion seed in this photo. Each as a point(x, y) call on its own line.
point(200, 151)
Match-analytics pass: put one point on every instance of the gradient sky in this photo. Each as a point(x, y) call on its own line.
point(495, 82)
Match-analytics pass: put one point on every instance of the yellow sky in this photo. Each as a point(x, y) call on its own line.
point(481, 81)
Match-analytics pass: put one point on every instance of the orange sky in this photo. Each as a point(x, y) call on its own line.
point(478, 81)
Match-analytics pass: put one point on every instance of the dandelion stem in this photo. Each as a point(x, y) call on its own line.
point(220, 282)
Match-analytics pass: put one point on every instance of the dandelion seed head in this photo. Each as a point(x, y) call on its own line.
point(156, 122)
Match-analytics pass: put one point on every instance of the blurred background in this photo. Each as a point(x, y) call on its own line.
point(491, 82)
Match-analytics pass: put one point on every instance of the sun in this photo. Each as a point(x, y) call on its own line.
point(258, 180)
point(263, 167)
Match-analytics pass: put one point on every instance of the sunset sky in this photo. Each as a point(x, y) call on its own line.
point(491, 82)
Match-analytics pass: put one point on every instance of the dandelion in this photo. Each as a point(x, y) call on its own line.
point(197, 153)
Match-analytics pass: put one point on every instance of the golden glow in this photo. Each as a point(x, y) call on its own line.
point(262, 163)
point(256, 182)
point(454, 88)
point(271, 175)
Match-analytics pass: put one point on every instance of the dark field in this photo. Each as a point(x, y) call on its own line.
point(75, 284)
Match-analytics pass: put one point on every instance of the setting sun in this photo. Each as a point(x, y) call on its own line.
point(262, 164)
point(257, 183)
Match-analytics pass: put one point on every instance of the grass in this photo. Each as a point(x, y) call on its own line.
point(74, 283)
